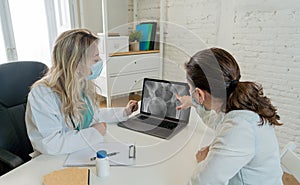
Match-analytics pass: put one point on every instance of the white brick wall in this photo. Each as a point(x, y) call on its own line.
point(191, 26)
point(148, 10)
point(266, 42)
point(264, 37)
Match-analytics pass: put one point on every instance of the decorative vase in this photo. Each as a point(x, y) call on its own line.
point(134, 46)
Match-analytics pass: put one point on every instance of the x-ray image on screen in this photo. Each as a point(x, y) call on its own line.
point(159, 98)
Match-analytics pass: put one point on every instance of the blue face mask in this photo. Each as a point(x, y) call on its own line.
point(96, 70)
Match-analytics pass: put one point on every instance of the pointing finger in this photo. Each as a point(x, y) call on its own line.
point(177, 96)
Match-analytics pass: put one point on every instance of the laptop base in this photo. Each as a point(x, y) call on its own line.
point(150, 129)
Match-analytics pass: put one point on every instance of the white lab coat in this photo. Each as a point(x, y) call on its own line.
point(46, 126)
point(241, 153)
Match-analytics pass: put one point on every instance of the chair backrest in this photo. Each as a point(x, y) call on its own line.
point(290, 161)
point(15, 81)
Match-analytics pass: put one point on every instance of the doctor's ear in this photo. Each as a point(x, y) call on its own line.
point(201, 95)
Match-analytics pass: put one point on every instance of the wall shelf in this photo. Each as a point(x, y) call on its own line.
point(133, 53)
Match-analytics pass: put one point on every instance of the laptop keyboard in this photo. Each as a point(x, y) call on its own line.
point(142, 117)
point(164, 123)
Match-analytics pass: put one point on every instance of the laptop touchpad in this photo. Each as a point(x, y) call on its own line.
point(139, 126)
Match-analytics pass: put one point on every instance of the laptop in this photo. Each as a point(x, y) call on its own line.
point(158, 115)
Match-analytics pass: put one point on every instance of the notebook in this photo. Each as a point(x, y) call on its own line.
point(146, 30)
point(153, 34)
point(74, 176)
point(158, 115)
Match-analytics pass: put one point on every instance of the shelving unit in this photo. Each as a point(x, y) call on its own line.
point(123, 72)
point(133, 53)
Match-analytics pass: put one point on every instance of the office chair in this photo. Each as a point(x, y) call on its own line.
point(15, 81)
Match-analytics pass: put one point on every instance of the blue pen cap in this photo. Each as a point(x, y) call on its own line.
point(101, 154)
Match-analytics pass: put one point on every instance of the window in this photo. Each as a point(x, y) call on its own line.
point(30, 30)
point(62, 15)
point(32, 26)
point(2, 47)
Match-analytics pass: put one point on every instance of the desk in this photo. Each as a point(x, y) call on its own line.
point(159, 161)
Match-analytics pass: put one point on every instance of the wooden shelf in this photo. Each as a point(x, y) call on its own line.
point(133, 53)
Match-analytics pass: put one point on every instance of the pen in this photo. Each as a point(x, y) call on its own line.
point(108, 155)
point(113, 153)
point(132, 108)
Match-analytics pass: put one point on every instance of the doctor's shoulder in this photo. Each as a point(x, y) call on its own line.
point(242, 117)
point(41, 90)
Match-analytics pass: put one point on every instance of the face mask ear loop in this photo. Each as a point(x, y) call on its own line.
point(200, 102)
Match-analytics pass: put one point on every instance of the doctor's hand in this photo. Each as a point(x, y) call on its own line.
point(131, 106)
point(100, 127)
point(202, 153)
point(186, 102)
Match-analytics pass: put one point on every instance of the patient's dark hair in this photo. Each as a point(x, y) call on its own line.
point(217, 72)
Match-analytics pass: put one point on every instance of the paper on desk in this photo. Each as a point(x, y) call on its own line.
point(82, 157)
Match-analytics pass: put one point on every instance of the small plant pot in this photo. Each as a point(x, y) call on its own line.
point(134, 46)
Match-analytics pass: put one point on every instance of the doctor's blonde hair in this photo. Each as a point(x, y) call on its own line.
point(71, 51)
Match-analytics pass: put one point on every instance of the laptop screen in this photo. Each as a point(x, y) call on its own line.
point(159, 99)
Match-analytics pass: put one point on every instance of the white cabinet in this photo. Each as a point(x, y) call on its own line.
point(119, 65)
point(114, 44)
point(123, 72)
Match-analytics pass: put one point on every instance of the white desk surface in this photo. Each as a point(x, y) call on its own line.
point(158, 161)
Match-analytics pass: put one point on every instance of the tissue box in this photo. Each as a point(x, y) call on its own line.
point(114, 44)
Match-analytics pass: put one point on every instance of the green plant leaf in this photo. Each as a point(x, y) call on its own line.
point(135, 36)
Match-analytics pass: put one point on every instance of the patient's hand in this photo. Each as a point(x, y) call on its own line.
point(186, 102)
point(202, 153)
point(131, 107)
point(100, 127)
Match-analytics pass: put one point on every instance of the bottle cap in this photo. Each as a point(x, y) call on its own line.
point(101, 154)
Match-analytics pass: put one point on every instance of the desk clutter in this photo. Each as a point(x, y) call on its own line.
point(67, 176)
point(120, 154)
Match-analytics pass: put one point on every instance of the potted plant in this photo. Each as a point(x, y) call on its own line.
point(134, 40)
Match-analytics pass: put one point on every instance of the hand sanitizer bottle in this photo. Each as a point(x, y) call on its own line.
point(102, 164)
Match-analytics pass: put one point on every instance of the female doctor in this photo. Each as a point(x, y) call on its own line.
point(245, 149)
point(62, 114)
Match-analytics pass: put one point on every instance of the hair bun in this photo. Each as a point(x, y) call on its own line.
point(234, 83)
point(230, 86)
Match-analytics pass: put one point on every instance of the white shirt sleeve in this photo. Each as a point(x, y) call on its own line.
point(46, 126)
point(110, 115)
point(233, 148)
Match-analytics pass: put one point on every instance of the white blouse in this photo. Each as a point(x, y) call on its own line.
point(241, 153)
